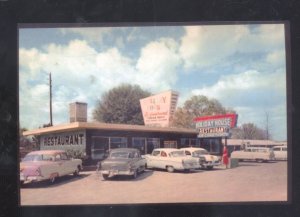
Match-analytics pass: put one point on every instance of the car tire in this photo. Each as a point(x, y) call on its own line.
point(134, 176)
point(209, 167)
point(105, 176)
point(76, 172)
point(52, 179)
point(170, 169)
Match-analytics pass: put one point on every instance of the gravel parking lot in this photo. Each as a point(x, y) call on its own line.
point(250, 181)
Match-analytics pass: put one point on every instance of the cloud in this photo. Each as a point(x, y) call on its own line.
point(158, 63)
point(236, 88)
point(80, 73)
point(204, 46)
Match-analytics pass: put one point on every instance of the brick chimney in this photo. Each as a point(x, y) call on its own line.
point(78, 112)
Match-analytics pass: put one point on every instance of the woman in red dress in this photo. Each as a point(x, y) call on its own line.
point(225, 156)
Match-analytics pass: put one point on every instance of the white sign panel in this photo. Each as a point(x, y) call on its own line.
point(75, 140)
point(159, 109)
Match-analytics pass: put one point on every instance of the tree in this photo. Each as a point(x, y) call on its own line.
point(121, 105)
point(197, 106)
point(248, 131)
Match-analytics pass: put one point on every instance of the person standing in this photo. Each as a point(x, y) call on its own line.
point(225, 156)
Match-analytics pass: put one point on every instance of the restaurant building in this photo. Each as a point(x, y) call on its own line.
point(95, 139)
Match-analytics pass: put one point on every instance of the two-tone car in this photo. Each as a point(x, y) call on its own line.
point(47, 165)
point(122, 162)
point(206, 160)
point(171, 159)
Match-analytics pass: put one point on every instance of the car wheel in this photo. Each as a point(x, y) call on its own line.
point(170, 169)
point(209, 167)
point(52, 179)
point(259, 160)
point(105, 176)
point(76, 172)
point(134, 176)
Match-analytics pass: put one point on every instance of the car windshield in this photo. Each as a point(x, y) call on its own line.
point(38, 157)
point(177, 154)
point(119, 155)
point(199, 152)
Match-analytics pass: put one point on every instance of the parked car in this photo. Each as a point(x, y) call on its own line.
point(254, 153)
point(122, 161)
point(206, 160)
point(171, 159)
point(280, 152)
point(47, 165)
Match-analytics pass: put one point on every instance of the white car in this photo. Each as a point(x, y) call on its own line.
point(253, 153)
point(206, 160)
point(170, 159)
point(280, 152)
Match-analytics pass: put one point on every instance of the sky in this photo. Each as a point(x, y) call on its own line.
point(242, 66)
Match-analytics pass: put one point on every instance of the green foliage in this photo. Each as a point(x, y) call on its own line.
point(197, 106)
point(121, 105)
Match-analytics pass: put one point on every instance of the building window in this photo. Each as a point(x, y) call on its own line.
point(212, 145)
point(152, 143)
point(118, 142)
point(99, 148)
point(170, 144)
point(140, 144)
point(187, 142)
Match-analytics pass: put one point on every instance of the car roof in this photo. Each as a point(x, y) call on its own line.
point(124, 149)
point(47, 152)
point(193, 149)
point(166, 149)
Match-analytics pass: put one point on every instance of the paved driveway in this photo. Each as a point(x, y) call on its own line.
point(249, 182)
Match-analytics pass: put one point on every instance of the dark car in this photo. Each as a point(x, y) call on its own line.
point(122, 161)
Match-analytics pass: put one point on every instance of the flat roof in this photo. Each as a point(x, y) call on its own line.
point(252, 142)
point(105, 126)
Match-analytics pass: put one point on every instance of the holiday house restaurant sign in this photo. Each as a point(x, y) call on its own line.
point(215, 126)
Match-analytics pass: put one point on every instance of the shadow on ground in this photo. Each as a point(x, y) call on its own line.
point(58, 181)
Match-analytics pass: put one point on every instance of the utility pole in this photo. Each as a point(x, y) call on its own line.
point(50, 85)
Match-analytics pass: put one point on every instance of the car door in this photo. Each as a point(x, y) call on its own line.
point(68, 166)
point(62, 165)
point(152, 160)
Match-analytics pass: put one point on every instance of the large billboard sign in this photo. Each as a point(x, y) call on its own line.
point(215, 126)
point(159, 109)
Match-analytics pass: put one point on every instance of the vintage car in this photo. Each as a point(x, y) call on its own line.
point(206, 160)
point(280, 152)
point(122, 161)
point(171, 159)
point(254, 153)
point(47, 165)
